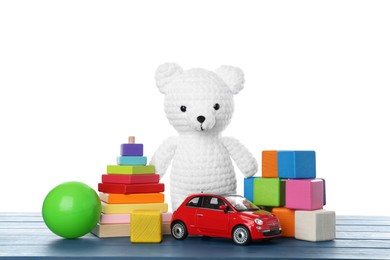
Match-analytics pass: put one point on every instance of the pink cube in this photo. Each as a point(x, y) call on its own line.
point(305, 194)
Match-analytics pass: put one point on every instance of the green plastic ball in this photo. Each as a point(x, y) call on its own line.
point(71, 210)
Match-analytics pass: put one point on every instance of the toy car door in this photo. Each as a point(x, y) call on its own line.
point(210, 219)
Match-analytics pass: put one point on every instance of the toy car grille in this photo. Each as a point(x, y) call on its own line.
point(272, 232)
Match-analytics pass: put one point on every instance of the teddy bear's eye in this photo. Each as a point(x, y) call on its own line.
point(216, 106)
point(183, 108)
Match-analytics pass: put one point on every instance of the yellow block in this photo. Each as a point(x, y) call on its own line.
point(145, 226)
point(129, 208)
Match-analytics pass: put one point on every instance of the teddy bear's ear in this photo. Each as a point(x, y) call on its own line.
point(232, 76)
point(166, 73)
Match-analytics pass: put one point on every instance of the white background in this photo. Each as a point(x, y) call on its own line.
point(77, 77)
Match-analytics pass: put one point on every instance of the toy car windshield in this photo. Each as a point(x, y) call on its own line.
point(241, 203)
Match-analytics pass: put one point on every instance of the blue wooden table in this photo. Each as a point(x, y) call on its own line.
point(24, 235)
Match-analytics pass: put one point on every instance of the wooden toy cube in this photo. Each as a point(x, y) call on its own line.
point(269, 164)
point(248, 188)
point(304, 194)
point(316, 225)
point(269, 192)
point(296, 164)
point(287, 220)
point(146, 226)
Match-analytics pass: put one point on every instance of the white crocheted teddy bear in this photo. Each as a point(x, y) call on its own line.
point(199, 104)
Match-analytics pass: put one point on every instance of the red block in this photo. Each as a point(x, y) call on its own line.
point(130, 188)
point(130, 179)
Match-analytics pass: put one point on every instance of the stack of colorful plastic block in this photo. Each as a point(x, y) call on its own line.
point(129, 189)
point(289, 186)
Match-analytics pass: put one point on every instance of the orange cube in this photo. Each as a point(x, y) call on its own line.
point(287, 220)
point(269, 166)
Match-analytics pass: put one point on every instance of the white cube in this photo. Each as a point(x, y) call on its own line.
point(315, 225)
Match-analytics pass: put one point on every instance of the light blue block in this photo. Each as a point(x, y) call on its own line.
point(131, 160)
point(296, 164)
point(248, 188)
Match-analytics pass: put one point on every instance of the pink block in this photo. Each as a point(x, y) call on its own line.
point(115, 218)
point(305, 194)
point(125, 218)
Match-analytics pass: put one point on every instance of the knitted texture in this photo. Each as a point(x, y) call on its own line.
point(199, 105)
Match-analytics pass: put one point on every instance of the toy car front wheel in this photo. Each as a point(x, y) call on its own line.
point(179, 230)
point(241, 235)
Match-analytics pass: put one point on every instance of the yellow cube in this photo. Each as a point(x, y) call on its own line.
point(146, 226)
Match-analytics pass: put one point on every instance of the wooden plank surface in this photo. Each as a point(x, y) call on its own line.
point(25, 235)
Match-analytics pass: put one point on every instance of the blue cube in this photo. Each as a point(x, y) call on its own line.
point(248, 188)
point(296, 164)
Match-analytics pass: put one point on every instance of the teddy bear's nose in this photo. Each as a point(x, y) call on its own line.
point(201, 119)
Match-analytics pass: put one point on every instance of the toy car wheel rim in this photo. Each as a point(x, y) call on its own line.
point(240, 235)
point(178, 230)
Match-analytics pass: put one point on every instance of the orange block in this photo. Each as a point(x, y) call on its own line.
point(135, 198)
point(269, 166)
point(287, 220)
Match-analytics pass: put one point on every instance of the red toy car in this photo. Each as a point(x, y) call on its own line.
point(228, 216)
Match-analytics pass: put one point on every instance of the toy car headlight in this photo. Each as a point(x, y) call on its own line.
point(258, 221)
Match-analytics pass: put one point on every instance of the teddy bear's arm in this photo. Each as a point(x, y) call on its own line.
point(241, 156)
point(163, 155)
